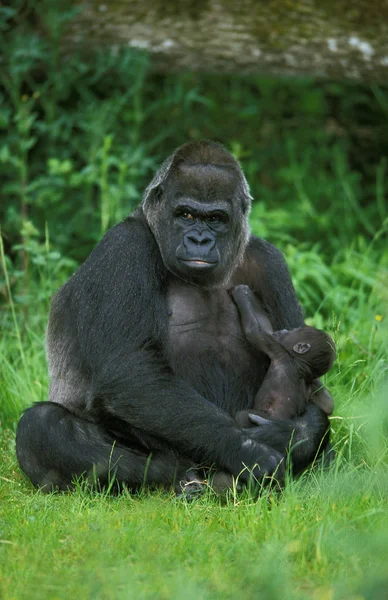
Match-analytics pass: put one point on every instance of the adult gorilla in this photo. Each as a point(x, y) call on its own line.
point(147, 359)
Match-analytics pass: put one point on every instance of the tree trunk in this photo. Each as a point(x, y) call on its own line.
point(338, 39)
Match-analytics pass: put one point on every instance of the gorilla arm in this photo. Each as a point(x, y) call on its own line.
point(114, 307)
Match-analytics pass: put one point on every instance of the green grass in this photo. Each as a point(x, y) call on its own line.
point(325, 536)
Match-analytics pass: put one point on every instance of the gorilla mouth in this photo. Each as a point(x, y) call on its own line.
point(196, 263)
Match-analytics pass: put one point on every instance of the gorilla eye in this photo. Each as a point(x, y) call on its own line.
point(186, 215)
point(218, 218)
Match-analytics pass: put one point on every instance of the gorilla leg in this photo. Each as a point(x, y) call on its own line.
point(54, 446)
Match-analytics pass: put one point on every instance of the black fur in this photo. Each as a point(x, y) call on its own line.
point(148, 364)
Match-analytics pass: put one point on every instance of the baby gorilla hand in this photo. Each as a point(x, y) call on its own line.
point(240, 292)
point(253, 317)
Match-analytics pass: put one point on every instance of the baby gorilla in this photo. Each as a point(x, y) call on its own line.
point(297, 357)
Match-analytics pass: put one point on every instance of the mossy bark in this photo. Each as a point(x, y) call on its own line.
point(339, 39)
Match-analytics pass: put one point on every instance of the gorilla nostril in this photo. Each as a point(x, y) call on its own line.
point(193, 240)
point(199, 240)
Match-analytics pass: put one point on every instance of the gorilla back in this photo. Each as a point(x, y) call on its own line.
point(147, 360)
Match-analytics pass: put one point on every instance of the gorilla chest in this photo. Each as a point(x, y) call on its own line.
point(204, 323)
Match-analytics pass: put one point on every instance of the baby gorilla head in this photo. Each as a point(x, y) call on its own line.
point(312, 346)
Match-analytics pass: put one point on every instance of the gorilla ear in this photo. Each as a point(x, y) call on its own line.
point(301, 347)
point(154, 190)
point(156, 194)
point(247, 202)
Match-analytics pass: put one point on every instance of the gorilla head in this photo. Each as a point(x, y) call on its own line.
point(312, 346)
point(197, 207)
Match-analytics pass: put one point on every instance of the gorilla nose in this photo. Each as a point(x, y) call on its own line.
point(203, 241)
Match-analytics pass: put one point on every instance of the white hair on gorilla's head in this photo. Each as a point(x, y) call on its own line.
point(202, 152)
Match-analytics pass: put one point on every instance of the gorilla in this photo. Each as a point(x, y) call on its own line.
point(148, 362)
point(298, 357)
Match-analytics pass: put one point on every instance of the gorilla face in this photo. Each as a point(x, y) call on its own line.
point(198, 215)
point(204, 240)
point(199, 231)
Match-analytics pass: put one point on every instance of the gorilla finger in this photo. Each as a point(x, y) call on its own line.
point(272, 473)
point(259, 420)
point(270, 461)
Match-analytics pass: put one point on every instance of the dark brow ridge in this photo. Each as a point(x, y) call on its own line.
point(203, 213)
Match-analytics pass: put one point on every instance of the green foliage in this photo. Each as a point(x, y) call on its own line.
point(81, 135)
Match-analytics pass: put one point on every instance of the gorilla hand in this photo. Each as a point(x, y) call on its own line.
point(258, 460)
point(305, 435)
point(279, 433)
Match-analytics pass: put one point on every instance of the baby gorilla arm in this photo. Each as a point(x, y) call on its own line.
point(253, 317)
point(258, 329)
point(284, 392)
point(255, 323)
